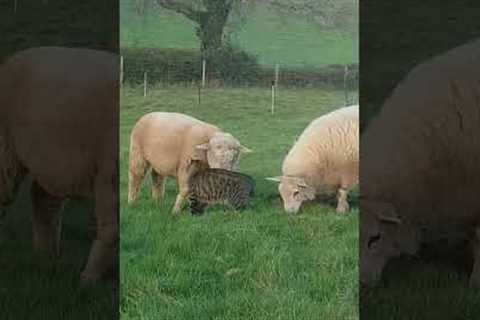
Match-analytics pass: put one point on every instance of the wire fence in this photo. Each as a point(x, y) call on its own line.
point(150, 71)
point(150, 68)
point(163, 69)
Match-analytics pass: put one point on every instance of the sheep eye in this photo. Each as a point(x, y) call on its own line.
point(296, 193)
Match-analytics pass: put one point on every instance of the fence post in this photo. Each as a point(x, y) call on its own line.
point(273, 97)
point(204, 67)
point(345, 78)
point(274, 87)
point(145, 84)
point(15, 6)
point(121, 70)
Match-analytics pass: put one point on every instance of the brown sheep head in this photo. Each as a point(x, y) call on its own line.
point(383, 235)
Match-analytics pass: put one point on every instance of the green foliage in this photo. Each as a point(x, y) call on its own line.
point(164, 65)
point(258, 264)
point(289, 40)
point(233, 65)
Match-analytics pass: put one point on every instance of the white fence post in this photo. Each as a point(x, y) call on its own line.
point(274, 87)
point(204, 67)
point(273, 97)
point(145, 84)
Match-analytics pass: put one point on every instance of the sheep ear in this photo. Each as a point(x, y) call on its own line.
point(196, 157)
point(245, 149)
point(275, 179)
point(192, 158)
point(203, 146)
point(388, 219)
point(388, 215)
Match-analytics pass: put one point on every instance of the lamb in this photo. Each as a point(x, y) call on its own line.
point(420, 163)
point(324, 160)
point(167, 142)
point(58, 123)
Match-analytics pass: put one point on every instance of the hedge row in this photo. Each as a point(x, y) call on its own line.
point(239, 68)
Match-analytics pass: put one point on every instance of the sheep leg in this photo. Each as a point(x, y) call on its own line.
point(3, 214)
point(136, 173)
point(46, 220)
point(475, 275)
point(182, 181)
point(103, 252)
point(158, 185)
point(92, 226)
point(342, 203)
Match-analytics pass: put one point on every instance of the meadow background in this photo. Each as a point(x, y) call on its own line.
point(261, 263)
point(258, 264)
point(163, 44)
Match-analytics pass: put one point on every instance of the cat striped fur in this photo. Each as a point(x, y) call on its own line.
point(209, 186)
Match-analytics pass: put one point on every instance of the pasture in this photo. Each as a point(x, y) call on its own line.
point(33, 287)
point(258, 264)
point(285, 39)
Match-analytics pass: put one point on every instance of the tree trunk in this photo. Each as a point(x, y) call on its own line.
point(210, 31)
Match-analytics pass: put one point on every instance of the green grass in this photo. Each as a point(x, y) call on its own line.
point(258, 264)
point(32, 287)
point(288, 40)
point(416, 289)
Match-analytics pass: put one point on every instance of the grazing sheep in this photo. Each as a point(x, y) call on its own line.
point(58, 123)
point(421, 163)
point(324, 160)
point(167, 142)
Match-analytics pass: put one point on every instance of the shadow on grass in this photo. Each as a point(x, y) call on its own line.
point(433, 285)
point(35, 287)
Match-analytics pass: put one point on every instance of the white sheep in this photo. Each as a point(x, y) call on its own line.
point(421, 160)
point(324, 160)
point(58, 123)
point(166, 142)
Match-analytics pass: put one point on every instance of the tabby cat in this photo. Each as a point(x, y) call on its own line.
point(211, 186)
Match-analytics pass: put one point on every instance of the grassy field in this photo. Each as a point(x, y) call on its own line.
point(258, 264)
point(423, 289)
point(287, 40)
point(31, 287)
